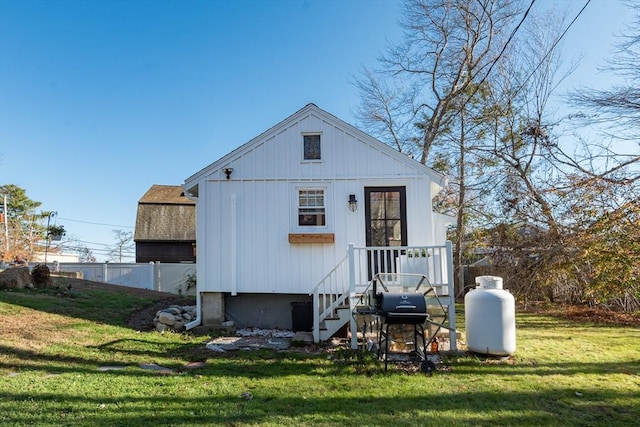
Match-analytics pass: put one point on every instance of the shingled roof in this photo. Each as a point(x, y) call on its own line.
point(166, 195)
point(165, 214)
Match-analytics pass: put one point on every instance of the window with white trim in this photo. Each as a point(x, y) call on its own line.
point(312, 147)
point(311, 208)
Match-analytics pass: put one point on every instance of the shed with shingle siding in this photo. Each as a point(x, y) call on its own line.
point(165, 226)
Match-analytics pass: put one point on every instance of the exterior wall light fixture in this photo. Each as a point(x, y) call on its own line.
point(227, 172)
point(353, 203)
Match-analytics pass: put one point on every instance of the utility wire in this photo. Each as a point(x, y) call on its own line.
point(504, 48)
point(96, 223)
point(90, 243)
point(552, 47)
point(539, 63)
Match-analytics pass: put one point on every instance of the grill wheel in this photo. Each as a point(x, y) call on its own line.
point(428, 367)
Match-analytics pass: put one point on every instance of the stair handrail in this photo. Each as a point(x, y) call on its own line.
point(328, 294)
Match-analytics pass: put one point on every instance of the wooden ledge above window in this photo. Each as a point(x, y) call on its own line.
point(311, 238)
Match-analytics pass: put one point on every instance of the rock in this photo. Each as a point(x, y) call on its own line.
point(215, 347)
point(178, 326)
point(195, 365)
point(174, 318)
point(15, 278)
point(166, 318)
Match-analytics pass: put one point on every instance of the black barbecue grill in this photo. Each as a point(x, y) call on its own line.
point(400, 301)
point(401, 308)
point(395, 308)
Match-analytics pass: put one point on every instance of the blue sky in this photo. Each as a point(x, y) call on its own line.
point(100, 99)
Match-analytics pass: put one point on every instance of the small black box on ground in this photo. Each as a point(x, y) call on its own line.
point(301, 316)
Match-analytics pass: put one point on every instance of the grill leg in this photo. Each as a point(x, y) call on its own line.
point(424, 340)
point(386, 348)
point(380, 337)
point(384, 335)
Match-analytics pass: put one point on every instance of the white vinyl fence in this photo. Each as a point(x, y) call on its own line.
point(173, 278)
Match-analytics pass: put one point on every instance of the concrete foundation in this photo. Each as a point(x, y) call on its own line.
point(263, 310)
point(212, 308)
point(250, 310)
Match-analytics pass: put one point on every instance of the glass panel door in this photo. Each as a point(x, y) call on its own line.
point(386, 225)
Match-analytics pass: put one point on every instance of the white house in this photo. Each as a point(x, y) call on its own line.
point(276, 216)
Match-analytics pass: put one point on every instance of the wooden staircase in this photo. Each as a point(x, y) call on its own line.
point(331, 325)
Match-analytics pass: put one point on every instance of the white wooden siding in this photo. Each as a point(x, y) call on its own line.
point(264, 260)
point(343, 156)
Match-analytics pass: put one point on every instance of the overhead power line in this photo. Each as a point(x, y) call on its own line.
point(96, 223)
point(513, 33)
point(553, 46)
point(504, 48)
point(497, 58)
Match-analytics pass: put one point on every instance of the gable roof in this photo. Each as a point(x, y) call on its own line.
point(165, 194)
point(165, 214)
point(191, 182)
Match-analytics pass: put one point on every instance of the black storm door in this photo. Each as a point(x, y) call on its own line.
point(386, 225)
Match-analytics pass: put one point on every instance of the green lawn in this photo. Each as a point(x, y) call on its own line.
point(51, 348)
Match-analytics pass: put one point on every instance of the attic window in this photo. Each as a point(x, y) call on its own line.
point(311, 147)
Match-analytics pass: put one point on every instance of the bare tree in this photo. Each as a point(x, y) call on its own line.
point(85, 254)
point(123, 247)
point(615, 112)
point(521, 123)
point(468, 92)
point(563, 205)
point(426, 94)
point(618, 107)
point(448, 45)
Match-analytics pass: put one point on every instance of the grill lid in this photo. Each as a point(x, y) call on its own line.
point(391, 302)
point(411, 293)
point(402, 307)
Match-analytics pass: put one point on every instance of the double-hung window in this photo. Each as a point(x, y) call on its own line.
point(311, 208)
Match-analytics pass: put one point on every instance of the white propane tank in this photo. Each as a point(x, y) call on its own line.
point(490, 318)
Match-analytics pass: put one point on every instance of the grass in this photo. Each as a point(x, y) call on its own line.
point(51, 348)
